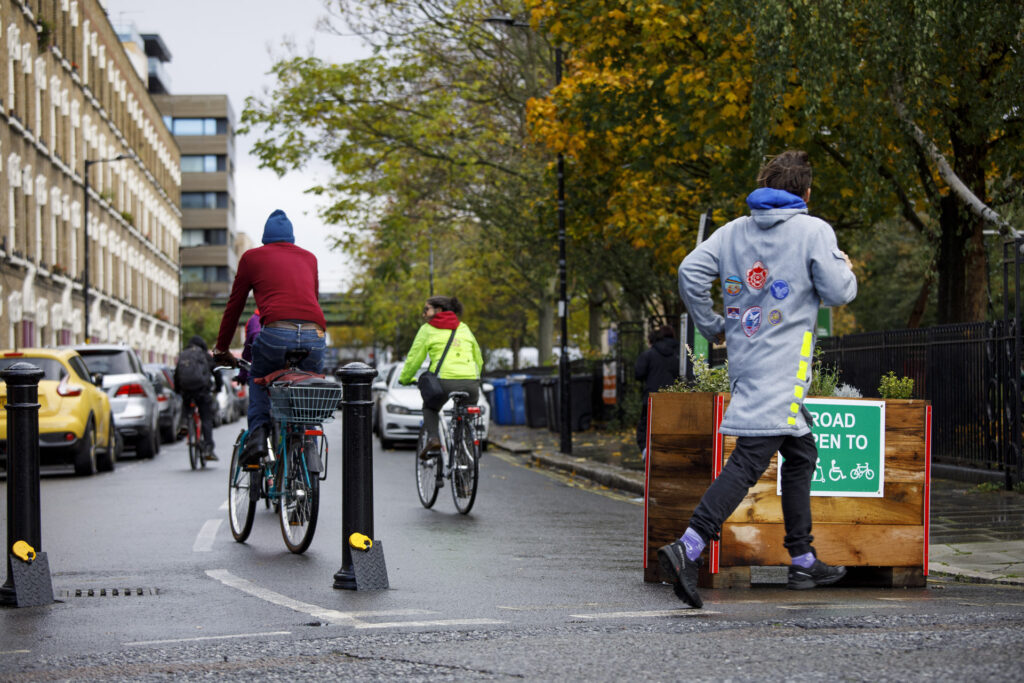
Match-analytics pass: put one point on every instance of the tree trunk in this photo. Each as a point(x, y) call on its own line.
point(962, 262)
point(595, 310)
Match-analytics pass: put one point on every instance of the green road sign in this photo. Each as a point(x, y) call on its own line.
point(850, 436)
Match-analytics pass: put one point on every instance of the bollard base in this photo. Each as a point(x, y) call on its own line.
point(32, 583)
point(368, 573)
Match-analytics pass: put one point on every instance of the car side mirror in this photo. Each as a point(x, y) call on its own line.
point(487, 387)
point(379, 386)
point(97, 379)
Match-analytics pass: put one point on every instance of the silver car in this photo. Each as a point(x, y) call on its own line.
point(134, 400)
point(400, 410)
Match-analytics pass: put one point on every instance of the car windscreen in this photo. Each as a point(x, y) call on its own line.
point(107, 362)
point(52, 369)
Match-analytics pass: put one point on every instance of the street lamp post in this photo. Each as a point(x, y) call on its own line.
point(85, 236)
point(564, 392)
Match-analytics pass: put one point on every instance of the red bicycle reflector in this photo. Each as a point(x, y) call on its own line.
point(314, 432)
point(14, 354)
point(161, 398)
point(473, 410)
point(241, 393)
point(130, 390)
point(69, 436)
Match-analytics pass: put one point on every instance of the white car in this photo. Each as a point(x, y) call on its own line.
point(399, 409)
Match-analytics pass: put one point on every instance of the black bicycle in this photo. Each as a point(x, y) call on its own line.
point(296, 457)
point(458, 459)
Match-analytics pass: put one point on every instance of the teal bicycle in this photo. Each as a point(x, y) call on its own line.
point(295, 463)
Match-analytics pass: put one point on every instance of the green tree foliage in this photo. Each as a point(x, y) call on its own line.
point(202, 320)
point(910, 109)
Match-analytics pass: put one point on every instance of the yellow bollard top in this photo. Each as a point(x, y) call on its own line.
point(360, 541)
point(24, 551)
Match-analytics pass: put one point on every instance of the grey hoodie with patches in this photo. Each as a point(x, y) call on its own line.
point(776, 265)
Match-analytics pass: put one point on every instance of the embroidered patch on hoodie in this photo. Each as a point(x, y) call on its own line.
point(732, 312)
point(751, 320)
point(733, 285)
point(779, 289)
point(774, 316)
point(757, 276)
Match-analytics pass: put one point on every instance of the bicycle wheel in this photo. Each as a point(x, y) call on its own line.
point(465, 466)
point(300, 500)
point(428, 480)
point(243, 492)
point(194, 452)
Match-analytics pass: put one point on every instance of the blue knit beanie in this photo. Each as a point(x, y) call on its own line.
point(278, 228)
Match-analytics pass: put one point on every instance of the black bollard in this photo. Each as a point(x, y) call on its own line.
point(22, 465)
point(357, 472)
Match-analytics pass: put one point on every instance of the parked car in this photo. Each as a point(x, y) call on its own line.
point(75, 421)
point(133, 398)
point(241, 394)
point(400, 411)
point(226, 398)
point(162, 377)
point(378, 389)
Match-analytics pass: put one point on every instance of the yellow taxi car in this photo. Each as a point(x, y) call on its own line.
point(75, 424)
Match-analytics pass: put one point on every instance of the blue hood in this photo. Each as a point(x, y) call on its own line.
point(770, 198)
point(278, 228)
point(769, 207)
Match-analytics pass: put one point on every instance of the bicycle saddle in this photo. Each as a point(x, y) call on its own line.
point(293, 357)
point(458, 396)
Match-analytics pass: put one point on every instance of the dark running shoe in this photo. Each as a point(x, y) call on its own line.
point(681, 571)
point(255, 447)
point(820, 574)
point(429, 448)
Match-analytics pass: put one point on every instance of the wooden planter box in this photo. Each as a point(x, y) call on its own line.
point(881, 540)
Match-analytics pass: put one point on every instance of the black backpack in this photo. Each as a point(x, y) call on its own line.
point(193, 371)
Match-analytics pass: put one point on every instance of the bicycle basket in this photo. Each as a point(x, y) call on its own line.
point(305, 402)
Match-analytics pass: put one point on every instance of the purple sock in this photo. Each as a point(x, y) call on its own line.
point(693, 543)
point(806, 560)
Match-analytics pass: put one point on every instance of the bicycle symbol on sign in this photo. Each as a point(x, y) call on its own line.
point(835, 473)
point(862, 470)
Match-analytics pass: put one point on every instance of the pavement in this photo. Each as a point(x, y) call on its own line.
point(976, 534)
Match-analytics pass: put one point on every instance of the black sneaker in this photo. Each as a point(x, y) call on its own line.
point(255, 447)
point(681, 571)
point(209, 454)
point(819, 574)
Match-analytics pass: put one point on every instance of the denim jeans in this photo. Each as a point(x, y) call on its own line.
point(744, 467)
point(268, 352)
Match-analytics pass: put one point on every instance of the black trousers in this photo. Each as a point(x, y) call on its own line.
point(204, 401)
point(744, 467)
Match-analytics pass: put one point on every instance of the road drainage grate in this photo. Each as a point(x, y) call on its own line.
point(106, 592)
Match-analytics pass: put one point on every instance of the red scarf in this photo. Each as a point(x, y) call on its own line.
point(445, 320)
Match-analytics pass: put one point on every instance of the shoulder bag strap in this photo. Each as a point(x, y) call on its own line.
point(437, 370)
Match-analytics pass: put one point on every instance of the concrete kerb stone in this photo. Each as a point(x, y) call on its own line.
point(606, 475)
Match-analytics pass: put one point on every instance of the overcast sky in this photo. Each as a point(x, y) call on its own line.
point(228, 46)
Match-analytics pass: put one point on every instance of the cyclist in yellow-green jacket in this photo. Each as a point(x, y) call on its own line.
point(461, 368)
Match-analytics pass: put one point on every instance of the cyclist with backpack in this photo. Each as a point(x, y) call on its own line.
point(192, 377)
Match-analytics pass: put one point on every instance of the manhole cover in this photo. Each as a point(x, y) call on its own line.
point(106, 592)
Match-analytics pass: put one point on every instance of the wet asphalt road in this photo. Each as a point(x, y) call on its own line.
point(542, 581)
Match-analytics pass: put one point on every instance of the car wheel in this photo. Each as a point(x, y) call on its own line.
point(168, 434)
point(85, 456)
point(106, 460)
point(146, 446)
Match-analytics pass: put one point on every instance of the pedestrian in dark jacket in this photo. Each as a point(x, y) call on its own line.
point(656, 367)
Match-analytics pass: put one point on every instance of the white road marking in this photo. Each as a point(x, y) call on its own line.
point(200, 638)
point(14, 652)
point(641, 614)
point(223, 507)
point(437, 622)
point(335, 616)
point(836, 605)
point(204, 541)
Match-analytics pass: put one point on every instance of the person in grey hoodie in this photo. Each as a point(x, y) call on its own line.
point(656, 367)
point(776, 266)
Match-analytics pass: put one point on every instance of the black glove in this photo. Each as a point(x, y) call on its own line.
point(225, 358)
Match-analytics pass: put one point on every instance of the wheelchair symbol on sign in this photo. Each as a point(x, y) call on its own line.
point(836, 474)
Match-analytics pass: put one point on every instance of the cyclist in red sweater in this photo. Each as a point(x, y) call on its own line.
point(284, 281)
